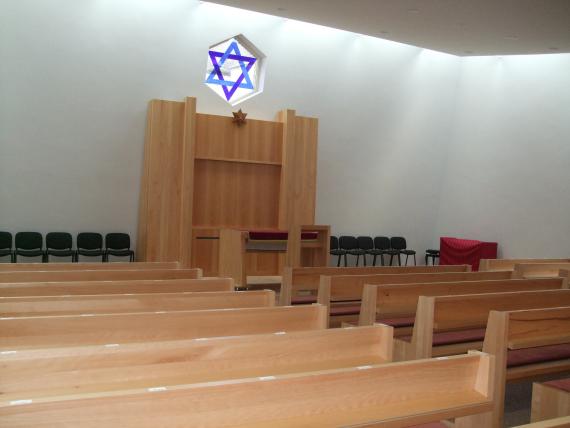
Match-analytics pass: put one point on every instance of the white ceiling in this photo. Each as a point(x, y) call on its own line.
point(459, 27)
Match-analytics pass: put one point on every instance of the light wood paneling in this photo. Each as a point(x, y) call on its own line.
point(549, 402)
point(299, 171)
point(115, 287)
point(509, 264)
point(161, 209)
point(219, 138)
point(236, 195)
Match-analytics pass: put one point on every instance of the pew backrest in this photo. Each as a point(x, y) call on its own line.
point(307, 279)
point(401, 300)
point(115, 287)
point(471, 311)
point(509, 264)
point(75, 330)
point(520, 329)
point(537, 270)
point(98, 275)
point(17, 267)
point(377, 395)
point(344, 288)
point(62, 371)
point(130, 303)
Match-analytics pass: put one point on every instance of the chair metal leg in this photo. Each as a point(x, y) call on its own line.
point(345, 261)
point(381, 259)
point(391, 259)
point(399, 260)
point(338, 261)
point(415, 264)
point(357, 259)
point(406, 259)
point(364, 258)
point(374, 260)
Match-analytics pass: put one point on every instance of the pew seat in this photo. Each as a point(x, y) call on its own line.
point(537, 355)
point(397, 322)
point(454, 337)
point(562, 384)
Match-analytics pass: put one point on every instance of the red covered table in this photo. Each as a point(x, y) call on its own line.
point(457, 251)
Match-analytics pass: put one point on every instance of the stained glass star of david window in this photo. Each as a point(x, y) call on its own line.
point(235, 70)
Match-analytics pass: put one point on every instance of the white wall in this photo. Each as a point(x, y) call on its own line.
point(508, 174)
point(76, 76)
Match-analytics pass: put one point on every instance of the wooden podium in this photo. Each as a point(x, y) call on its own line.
point(203, 173)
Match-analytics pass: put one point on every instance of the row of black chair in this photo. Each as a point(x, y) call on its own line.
point(60, 244)
point(363, 245)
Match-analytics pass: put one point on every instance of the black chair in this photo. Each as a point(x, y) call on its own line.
point(118, 245)
point(336, 251)
point(433, 255)
point(28, 244)
point(350, 244)
point(365, 243)
point(90, 244)
point(399, 246)
point(59, 244)
point(381, 248)
point(6, 245)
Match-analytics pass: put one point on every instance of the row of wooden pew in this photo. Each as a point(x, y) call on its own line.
point(116, 360)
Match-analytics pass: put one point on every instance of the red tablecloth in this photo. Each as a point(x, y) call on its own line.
point(456, 251)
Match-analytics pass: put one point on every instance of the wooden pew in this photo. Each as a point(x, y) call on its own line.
point(525, 344)
point(550, 400)
point(131, 303)
point(447, 325)
point(41, 373)
point(389, 395)
point(98, 275)
point(115, 287)
point(509, 264)
point(563, 422)
point(396, 304)
point(76, 330)
point(16, 267)
point(345, 291)
point(306, 279)
point(537, 270)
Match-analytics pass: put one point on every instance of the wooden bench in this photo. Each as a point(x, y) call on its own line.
point(306, 279)
point(389, 395)
point(447, 325)
point(76, 330)
point(40, 373)
point(131, 303)
point(396, 304)
point(344, 292)
point(525, 344)
point(537, 270)
point(114, 287)
point(550, 400)
point(509, 264)
point(98, 275)
point(563, 422)
point(15, 267)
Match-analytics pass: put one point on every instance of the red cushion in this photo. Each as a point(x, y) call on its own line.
point(563, 384)
point(303, 300)
point(278, 235)
point(430, 425)
point(452, 337)
point(540, 354)
point(397, 322)
point(345, 310)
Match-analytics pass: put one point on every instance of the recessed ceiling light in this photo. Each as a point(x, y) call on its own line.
point(468, 52)
point(552, 48)
point(383, 32)
point(281, 9)
point(511, 38)
point(413, 11)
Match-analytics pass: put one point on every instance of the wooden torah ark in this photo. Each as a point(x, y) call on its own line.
point(202, 173)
